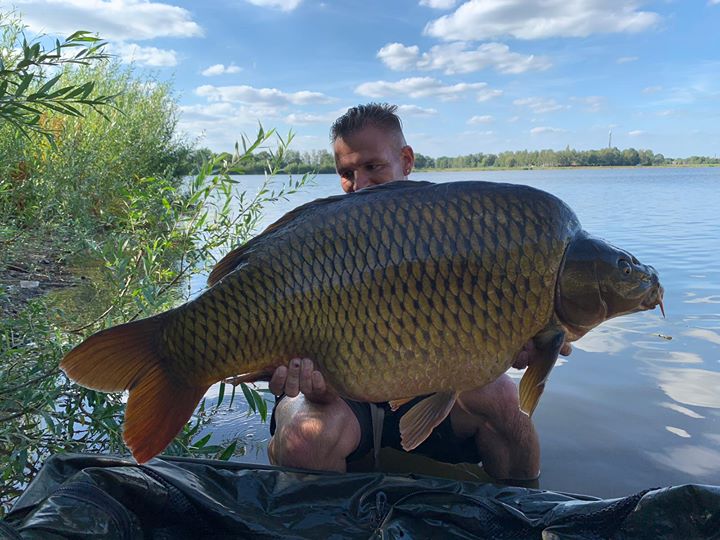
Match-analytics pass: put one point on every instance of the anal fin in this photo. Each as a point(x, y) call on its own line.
point(417, 424)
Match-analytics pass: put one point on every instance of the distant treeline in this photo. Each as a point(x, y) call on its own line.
point(322, 161)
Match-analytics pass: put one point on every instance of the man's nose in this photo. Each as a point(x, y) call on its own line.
point(363, 180)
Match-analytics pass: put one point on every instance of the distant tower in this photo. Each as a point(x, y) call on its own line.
point(610, 139)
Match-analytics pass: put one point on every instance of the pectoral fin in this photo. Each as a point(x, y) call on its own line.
point(547, 348)
point(417, 424)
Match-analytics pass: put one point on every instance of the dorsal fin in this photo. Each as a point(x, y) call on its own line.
point(232, 259)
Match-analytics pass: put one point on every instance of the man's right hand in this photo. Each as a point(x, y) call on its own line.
point(299, 376)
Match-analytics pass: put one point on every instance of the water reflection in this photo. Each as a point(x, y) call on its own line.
point(697, 461)
point(678, 431)
point(714, 299)
point(695, 387)
point(707, 335)
point(675, 357)
point(682, 410)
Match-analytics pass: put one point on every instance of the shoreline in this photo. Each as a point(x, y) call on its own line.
point(554, 168)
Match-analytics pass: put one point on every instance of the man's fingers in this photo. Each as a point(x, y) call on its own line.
point(521, 360)
point(566, 349)
point(306, 380)
point(318, 382)
point(292, 383)
point(277, 383)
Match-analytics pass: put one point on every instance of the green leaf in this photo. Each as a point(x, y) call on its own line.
point(262, 406)
point(228, 452)
point(232, 396)
point(26, 80)
point(221, 395)
point(202, 442)
point(48, 85)
point(249, 397)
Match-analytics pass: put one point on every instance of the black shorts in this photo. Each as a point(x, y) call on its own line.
point(442, 444)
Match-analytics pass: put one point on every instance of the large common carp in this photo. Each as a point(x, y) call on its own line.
point(401, 290)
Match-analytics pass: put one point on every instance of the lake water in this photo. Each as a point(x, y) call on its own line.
point(630, 408)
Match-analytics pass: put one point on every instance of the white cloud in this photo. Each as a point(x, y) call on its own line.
point(538, 19)
point(651, 89)
point(220, 69)
point(636, 133)
point(592, 103)
point(414, 110)
point(544, 129)
point(538, 105)
point(627, 59)
point(419, 87)
point(714, 2)
point(476, 133)
point(398, 57)
point(484, 119)
point(219, 125)
point(438, 4)
point(485, 95)
point(210, 111)
point(329, 117)
point(301, 119)
point(119, 20)
point(145, 56)
point(282, 5)
point(267, 96)
point(455, 57)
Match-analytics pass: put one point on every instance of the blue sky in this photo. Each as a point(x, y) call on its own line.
point(469, 76)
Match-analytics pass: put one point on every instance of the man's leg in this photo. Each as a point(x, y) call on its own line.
point(316, 436)
point(506, 438)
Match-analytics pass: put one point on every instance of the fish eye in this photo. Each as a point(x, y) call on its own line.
point(625, 267)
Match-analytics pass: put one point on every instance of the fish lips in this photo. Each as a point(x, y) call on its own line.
point(654, 298)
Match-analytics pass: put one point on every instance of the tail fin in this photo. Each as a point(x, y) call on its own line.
point(126, 357)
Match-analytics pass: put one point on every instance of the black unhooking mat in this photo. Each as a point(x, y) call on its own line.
point(83, 496)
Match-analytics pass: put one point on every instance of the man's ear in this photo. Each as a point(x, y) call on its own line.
point(408, 159)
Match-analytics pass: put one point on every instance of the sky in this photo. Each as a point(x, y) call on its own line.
point(468, 76)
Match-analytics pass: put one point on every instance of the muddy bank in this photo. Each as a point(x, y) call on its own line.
point(30, 267)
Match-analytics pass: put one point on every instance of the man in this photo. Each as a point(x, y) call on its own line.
point(314, 428)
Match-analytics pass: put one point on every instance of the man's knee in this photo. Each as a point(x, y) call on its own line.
point(499, 398)
point(303, 435)
point(506, 392)
point(312, 437)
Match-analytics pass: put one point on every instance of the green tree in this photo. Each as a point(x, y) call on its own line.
point(26, 88)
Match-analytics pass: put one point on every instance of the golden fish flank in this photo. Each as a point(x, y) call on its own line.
point(405, 289)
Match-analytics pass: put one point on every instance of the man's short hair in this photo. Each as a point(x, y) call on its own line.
point(379, 115)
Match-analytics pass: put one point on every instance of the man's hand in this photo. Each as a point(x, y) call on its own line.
point(528, 353)
point(300, 377)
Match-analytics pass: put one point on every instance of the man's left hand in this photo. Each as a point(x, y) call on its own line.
point(526, 356)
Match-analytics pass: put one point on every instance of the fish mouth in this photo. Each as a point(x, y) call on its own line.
point(654, 299)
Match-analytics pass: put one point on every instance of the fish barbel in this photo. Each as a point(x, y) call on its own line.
point(396, 291)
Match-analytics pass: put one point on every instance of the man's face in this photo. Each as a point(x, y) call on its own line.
point(369, 157)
